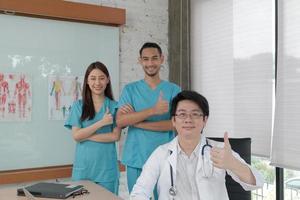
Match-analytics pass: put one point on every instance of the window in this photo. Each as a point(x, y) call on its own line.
point(232, 59)
point(233, 65)
point(268, 171)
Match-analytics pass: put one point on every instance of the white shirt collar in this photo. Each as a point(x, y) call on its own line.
point(195, 151)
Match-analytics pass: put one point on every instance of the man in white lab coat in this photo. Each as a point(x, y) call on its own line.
point(191, 166)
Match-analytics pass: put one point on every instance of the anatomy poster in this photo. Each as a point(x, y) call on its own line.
point(15, 97)
point(63, 91)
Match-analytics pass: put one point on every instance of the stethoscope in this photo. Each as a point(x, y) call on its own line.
point(207, 168)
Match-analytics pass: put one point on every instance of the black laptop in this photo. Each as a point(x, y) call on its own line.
point(51, 190)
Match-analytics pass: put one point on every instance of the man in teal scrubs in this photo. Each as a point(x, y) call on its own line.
point(144, 108)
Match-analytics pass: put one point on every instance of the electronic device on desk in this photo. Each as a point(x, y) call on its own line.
point(50, 190)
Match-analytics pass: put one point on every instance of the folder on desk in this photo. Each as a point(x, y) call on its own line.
point(51, 190)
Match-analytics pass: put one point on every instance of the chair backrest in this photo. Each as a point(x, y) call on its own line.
point(243, 147)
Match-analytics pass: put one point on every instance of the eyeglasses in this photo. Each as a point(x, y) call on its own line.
point(193, 115)
point(80, 192)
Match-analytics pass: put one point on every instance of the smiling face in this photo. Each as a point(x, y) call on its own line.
point(151, 61)
point(188, 120)
point(97, 82)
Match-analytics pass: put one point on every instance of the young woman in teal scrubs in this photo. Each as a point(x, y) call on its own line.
point(94, 130)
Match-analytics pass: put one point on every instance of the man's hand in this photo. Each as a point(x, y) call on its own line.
point(222, 157)
point(127, 108)
point(161, 106)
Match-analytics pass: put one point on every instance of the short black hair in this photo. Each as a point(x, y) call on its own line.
point(192, 96)
point(150, 45)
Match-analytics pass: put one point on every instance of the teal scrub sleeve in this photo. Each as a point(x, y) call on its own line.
point(175, 90)
point(74, 117)
point(125, 97)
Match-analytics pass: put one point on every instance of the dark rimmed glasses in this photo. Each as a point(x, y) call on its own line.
point(192, 115)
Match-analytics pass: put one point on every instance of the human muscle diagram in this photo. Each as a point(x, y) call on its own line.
point(15, 97)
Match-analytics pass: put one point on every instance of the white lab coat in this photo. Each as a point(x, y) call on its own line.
point(157, 170)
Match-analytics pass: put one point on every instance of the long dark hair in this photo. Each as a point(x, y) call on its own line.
point(88, 110)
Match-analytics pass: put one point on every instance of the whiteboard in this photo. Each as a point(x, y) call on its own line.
point(40, 48)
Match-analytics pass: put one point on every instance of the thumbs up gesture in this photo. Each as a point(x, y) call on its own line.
point(161, 106)
point(222, 157)
point(107, 118)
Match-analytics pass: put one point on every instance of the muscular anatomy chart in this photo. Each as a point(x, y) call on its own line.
point(15, 97)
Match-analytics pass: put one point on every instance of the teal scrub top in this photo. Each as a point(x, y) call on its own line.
point(94, 161)
point(140, 143)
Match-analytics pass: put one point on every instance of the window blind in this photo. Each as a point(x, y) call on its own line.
point(232, 63)
point(286, 136)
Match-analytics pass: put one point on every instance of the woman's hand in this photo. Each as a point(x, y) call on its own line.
point(107, 118)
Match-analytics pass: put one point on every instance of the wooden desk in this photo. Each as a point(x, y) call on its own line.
point(96, 193)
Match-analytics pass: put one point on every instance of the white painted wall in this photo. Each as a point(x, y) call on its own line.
point(146, 20)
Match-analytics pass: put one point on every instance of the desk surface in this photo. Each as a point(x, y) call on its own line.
point(96, 193)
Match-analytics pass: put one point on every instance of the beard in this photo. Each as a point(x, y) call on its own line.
point(152, 73)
